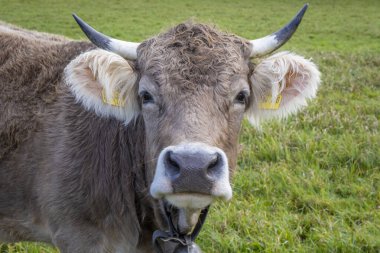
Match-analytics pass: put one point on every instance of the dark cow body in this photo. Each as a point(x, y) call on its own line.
point(89, 174)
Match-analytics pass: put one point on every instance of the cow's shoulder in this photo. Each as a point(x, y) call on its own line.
point(31, 69)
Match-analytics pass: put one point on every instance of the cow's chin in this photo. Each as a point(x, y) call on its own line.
point(189, 207)
point(189, 200)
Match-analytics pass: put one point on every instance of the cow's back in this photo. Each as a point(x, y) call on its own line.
point(31, 67)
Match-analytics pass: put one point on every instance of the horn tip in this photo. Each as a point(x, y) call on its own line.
point(270, 43)
point(285, 34)
point(78, 20)
point(94, 36)
point(75, 16)
point(301, 12)
point(304, 8)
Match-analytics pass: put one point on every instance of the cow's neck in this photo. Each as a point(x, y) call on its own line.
point(148, 212)
point(112, 172)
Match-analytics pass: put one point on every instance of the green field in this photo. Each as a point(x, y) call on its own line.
point(310, 183)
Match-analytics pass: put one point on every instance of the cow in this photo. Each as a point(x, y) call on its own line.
point(99, 140)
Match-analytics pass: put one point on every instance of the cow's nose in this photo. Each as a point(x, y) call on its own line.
point(191, 175)
point(179, 163)
point(193, 171)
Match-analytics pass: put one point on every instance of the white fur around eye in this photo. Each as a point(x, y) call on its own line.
point(96, 73)
point(294, 77)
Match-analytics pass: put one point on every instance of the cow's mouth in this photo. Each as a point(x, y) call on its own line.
point(184, 226)
point(186, 209)
point(189, 200)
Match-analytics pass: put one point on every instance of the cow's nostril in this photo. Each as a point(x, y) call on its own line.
point(172, 166)
point(214, 167)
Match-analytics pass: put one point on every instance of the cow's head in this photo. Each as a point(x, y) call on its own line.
point(192, 85)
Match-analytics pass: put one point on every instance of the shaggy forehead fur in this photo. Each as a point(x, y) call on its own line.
point(191, 54)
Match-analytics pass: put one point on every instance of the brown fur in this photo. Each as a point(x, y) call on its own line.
point(27, 80)
point(84, 178)
point(195, 66)
point(42, 130)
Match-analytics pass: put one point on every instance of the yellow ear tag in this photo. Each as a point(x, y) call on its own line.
point(116, 99)
point(269, 105)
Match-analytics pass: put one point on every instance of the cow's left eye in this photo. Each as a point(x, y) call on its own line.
point(241, 98)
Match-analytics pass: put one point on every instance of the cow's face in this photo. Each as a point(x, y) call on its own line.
point(192, 85)
point(193, 98)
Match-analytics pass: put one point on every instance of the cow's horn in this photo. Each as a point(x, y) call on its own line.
point(268, 44)
point(125, 49)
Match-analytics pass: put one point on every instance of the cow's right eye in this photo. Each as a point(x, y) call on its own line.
point(146, 97)
point(241, 98)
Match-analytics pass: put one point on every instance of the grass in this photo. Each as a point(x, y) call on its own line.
point(310, 183)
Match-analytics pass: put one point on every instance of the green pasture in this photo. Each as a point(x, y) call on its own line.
point(310, 183)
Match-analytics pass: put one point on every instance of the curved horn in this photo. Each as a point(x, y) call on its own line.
point(268, 44)
point(125, 49)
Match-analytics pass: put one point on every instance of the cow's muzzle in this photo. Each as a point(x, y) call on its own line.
point(191, 175)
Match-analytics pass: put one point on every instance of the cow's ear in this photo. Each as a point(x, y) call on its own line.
point(105, 83)
point(281, 85)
